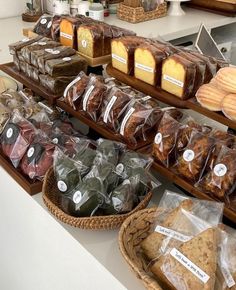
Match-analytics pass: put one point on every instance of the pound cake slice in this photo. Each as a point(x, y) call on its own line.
point(178, 76)
point(148, 63)
point(199, 255)
point(152, 244)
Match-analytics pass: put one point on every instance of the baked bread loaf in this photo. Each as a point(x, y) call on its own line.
point(178, 76)
point(228, 106)
point(123, 53)
point(16, 47)
point(191, 163)
point(202, 252)
point(226, 79)
point(66, 66)
point(68, 27)
point(148, 63)
point(210, 97)
point(152, 244)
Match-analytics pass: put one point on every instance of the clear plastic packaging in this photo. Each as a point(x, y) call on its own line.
point(92, 98)
point(4, 116)
point(15, 48)
point(55, 29)
point(43, 26)
point(74, 90)
point(16, 137)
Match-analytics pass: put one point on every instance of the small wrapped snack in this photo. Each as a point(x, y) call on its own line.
point(43, 26)
point(16, 137)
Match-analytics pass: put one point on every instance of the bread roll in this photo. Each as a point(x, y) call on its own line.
point(210, 97)
point(226, 79)
point(229, 106)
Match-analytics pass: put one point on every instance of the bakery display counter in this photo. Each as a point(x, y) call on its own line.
point(9, 69)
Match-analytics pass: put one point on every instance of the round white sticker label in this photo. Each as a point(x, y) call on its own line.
point(55, 51)
point(62, 186)
point(77, 197)
point(49, 24)
point(49, 50)
point(43, 21)
point(9, 132)
point(188, 155)
point(84, 43)
point(42, 43)
point(55, 140)
point(119, 168)
point(220, 170)
point(25, 39)
point(158, 138)
point(66, 59)
point(30, 152)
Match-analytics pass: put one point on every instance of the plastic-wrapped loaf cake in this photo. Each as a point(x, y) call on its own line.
point(123, 53)
point(43, 26)
point(16, 47)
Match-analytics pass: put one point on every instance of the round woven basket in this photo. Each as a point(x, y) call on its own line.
point(51, 200)
point(133, 231)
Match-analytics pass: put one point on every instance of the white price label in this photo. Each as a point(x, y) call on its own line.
point(62, 186)
point(194, 269)
point(49, 50)
point(55, 141)
point(228, 277)
point(49, 110)
point(173, 234)
point(77, 197)
point(84, 43)
point(220, 170)
point(42, 43)
point(158, 138)
point(43, 21)
point(85, 100)
point(119, 58)
point(70, 85)
point(30, 152)
point(66, 59)
point(144, 67)
point(144, 99)
point(188, 155)
point(108, 109)
point(173, 81)
point(55, 52)
point(120, 168)
point(9, 133)
point(49, 24)
point(65, 35)
point(125, 120)
point(25, 40)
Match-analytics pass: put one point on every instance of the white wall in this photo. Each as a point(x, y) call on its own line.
point(11, 8)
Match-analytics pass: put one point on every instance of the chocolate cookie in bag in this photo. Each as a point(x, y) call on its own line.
point(85, 199)
point(220, 182)
point(92, 98)
point(74, 91)
point(164, 147)
point(43, 26)
point(16, 137)
point(193, 159)
point(114, 105)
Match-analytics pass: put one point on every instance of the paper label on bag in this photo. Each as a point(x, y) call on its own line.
point(30, 152)
point(228, 277)
point(55, 52)
point(188, 155)
point(119, 58)
point(173, 234)
point(49, 24)
point(42, 43)
point(68, 36)
point(9, 133)
point(182, 259)
point(220, 170)
point(55, 141)
point(25, 39)
point(173, 81)
point(49, 110)
point(66, 59)
point(108, 108)
point(85, 100)
point(77, 197)
point(70, 85)
point(125, 120)
point(62, 186)
point(144, 67)
point(158, 138)
point(146, 98)
point(43, 21)
point(49, 50)
point(24, 95)
point(120, 168)
point(84, 43)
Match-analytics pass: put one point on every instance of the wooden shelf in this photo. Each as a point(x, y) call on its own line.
point(28, 185)
point(100, 129)
point(9, 68)
point(229, 213)
point(147, 89)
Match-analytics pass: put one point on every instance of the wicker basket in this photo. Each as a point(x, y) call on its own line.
point(135, 15)
point(132, 3)
point(133, 231)
point(51, 200)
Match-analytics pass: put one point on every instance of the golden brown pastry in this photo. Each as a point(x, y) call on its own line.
point(226, 79)
point(228, 106)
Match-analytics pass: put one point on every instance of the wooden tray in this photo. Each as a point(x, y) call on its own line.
point(28, 185)
point(102, 130)
point(229, 213)
point(217, 116)
point(155, 92)
point(10, 69)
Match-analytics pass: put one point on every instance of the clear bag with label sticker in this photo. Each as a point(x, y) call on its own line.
point(16, 137)
point(93, 97)
point(43, 26)
point(15, 48)
point(192, 160)
point(164, 147)
point(74, 90)
point(38, 157)
point(85, 156)
point(220, 182)
point(114, 105)
point(140, 120)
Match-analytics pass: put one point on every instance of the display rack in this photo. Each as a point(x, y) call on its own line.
point(168, 98)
